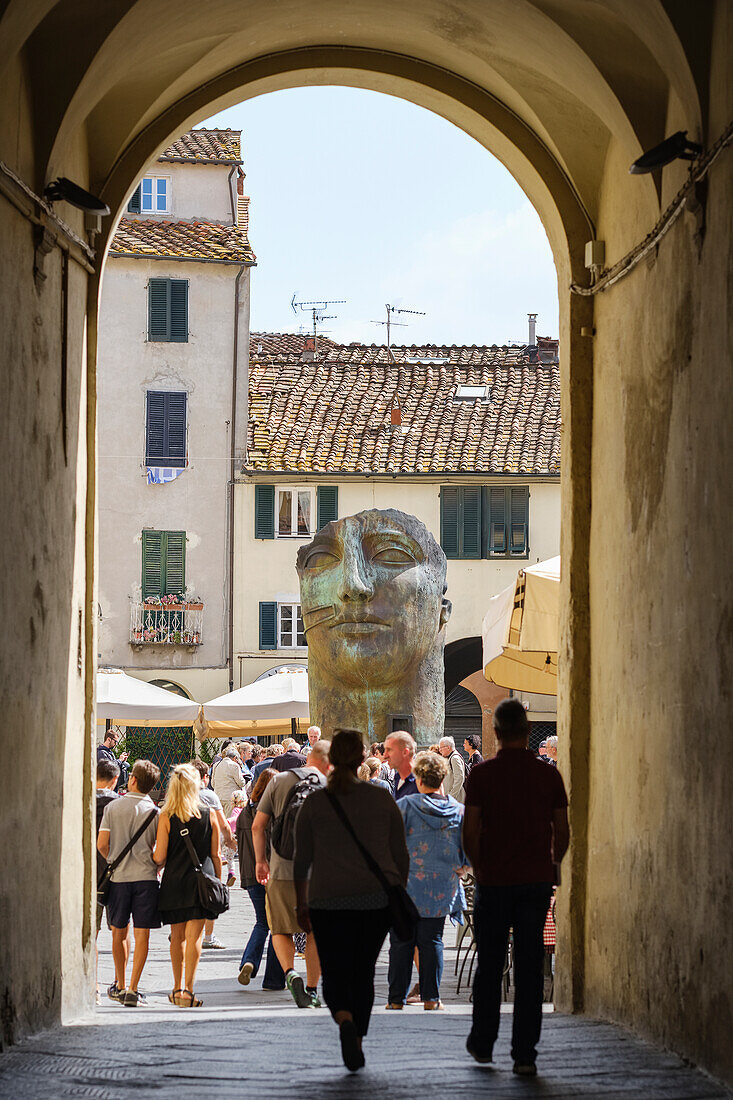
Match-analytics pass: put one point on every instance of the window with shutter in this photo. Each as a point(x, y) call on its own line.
point(264, 511)
point(168, 310)
point(497, 521)
point(165, 428)
point(327, 504)
point(152, 563)
point(133, 206)
point(268, 624)
point(449, 521)
point(164, 562)
point(519, 520)
point(471, 521)
point(179, 311)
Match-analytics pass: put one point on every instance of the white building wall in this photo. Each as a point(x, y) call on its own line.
point(196, 501)
point(198, 192)
point(265, 568)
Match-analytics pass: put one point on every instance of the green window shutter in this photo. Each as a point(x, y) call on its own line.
point(497, 521)
point(178, 310)
point(175, 429)
point(264, 511)
point(152, 583)
point(175, 561)
point(449, 514)
point(133, 206)
point(327, 504)
point(471, 521)
point(519, 520)
point(155, 427)
point(158, 298)
point(268, 625)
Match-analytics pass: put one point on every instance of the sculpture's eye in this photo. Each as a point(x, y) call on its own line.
point(319, 558)
point(393, 555)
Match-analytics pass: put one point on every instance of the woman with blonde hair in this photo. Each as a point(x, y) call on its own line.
point(339, 897)
point(184, 815)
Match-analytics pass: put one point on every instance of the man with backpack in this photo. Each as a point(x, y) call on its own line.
point(281, 802)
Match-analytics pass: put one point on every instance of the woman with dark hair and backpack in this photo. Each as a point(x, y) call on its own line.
point(339, 897)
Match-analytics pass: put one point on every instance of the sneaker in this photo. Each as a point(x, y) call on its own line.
point(525, 1069)
point(115, 993)
point(482, 1057)
point(214, 943)
point(297, 989)
point(231, 878)
point(134, 999)
point(315, 999)
point(245, 974)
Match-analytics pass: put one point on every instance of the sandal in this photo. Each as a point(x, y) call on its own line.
point(192, 1002)
point(172, 996)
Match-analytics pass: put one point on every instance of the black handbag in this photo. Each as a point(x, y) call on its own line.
point(213, 894)
point(403, 912)
point(105, 878)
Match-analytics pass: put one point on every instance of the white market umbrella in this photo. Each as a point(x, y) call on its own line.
point(132, 702)
point(520, 631)
point(263, 705)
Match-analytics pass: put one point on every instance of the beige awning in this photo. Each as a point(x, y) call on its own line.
point(264, 705)
point(520, 631)
point(132, 702)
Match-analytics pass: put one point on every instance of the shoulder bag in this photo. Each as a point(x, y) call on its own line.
point(213, 894)
point(106, 876)
point(402, 908)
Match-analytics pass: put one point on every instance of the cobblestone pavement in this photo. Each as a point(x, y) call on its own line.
point(248, 1043)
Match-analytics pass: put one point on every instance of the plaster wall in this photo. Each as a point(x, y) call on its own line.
point(265, 568)
point(45, 968)
point(198, 192)
point(659, 942)
point(196, 501)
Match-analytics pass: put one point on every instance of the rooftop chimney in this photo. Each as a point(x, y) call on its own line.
point(309, 349)
point(532, 329)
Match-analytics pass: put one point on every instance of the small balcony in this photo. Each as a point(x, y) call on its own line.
point(172, 624)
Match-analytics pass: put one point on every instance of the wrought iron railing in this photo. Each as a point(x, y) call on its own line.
point(176, 624)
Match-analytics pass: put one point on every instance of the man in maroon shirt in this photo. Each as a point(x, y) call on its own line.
point(515, 831)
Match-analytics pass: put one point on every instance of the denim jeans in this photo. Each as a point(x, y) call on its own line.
point(428, 940)
point(274, 977)
point(496, 910)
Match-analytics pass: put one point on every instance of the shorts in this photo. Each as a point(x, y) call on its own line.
point(138, 900)
point(280, 902)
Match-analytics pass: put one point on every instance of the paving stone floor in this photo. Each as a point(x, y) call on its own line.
point(250, 1044)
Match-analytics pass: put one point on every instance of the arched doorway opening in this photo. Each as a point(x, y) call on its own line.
point(567, 101)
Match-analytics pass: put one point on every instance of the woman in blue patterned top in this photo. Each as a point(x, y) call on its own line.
point(433, 828)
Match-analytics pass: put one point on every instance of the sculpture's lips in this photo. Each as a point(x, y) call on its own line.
point(358, 626)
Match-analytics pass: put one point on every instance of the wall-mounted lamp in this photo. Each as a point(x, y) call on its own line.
point(672, 148)
point(64, 190)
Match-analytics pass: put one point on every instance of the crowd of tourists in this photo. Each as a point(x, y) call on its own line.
point(340, 849)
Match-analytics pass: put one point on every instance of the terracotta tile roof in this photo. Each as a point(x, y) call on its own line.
point(182, 240)
point(206, 147)
point(333, 414)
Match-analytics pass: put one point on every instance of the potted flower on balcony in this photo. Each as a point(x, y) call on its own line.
point(173, 601)
point(151, 601)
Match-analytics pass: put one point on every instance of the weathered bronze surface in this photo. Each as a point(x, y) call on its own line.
point(372, 592)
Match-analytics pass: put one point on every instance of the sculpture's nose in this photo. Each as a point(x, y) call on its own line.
point(355, 582)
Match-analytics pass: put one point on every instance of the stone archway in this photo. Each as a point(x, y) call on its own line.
point(567, 98)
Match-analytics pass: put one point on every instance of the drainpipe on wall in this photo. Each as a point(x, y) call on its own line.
point(232, 461)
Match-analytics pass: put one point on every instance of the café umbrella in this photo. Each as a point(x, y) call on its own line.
point(520, 631)
point(263, 705)
point(130, 702)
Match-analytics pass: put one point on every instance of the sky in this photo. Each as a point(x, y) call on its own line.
point(360, 196)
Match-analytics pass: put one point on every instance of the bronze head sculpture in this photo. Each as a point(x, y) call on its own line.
point(372, 592)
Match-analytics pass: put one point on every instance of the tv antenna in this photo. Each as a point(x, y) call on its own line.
point(317, 309)
point(389, 323)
